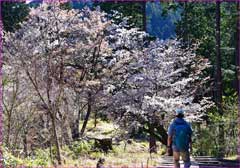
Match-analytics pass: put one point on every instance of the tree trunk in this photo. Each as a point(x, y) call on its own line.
point(75, 130)
point(95, 119)
point(50, 151)
point(59, 159)
point(152, 140)
point(1, 100)
point(89, 109)
point(163, 134)
point(8, 132)
point(75, 125)
point(238, 74)
point(160, 134)
point(218, 61)
point(65, 133)
point(219, 78)
point(25, 144)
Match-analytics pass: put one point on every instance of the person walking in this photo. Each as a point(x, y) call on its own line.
point(180, 139)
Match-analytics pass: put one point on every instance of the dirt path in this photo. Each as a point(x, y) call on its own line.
point(200, 162)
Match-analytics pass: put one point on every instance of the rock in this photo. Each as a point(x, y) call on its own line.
point(104, 144)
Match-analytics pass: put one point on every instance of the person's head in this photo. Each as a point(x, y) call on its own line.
point(179, 113)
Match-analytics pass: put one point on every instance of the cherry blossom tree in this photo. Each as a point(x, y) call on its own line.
point(56, 51)
point(162, 77)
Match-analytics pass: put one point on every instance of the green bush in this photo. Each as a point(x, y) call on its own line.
point(206, 136)
point(41, 158)
point(81, 147)
point(9, 160)
point(205, 143)
point(96, 155)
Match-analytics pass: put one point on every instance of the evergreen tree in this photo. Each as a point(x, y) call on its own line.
point(197, 25)
point(135, 11)
point(13, 13)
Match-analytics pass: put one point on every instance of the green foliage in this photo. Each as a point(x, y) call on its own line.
point(40, 158)
point(13, 13)
point(162, 151)
point(197, 25)
point(103, 128)
point(117, 149)
point(81, 153)
point(96, 155)
point(132, 10)
point(82, 147)
point(205, 143)
point(206, 136)
point(9, 160)
point(230, 109)
point(66, 6)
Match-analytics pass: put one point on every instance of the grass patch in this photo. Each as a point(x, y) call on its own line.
point(83, 153)
point(103, 129)
point(234, 157)
point(134, 154)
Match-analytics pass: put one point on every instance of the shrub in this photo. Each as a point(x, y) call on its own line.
point(9, 160)
point(81, 147)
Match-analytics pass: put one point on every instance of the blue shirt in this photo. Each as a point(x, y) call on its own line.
point(171, 131)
